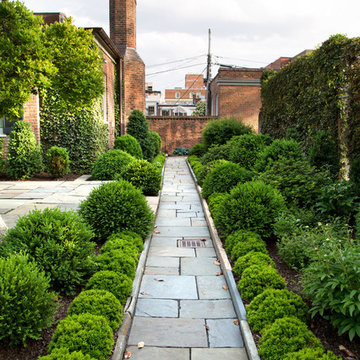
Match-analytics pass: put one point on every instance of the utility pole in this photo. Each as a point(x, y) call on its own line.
point(208, 78)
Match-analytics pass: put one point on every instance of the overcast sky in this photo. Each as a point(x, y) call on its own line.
point(250, 33)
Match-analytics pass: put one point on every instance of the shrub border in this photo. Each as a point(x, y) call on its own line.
point(249, 342)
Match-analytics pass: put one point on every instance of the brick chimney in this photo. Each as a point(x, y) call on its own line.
point(123, 34)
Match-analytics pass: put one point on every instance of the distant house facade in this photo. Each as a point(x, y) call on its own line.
point(153, 99)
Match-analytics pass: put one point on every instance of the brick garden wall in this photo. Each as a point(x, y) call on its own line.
point(178, 131)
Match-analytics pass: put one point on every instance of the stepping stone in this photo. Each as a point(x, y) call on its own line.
point(224, 333)
point(205, 309)
point(172, 287)
point(157, 308)
point(168, 332)
point(153, 353)
point(221, 353)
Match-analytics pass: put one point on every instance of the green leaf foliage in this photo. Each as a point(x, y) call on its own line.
point(111, 163)
point(90, 334)
point(59, 242)
point(240, 236)
point(251, 206)
point(252, 258)
point(82, 131)
point(311, 354)
point(272, 304)
point(143, 176)
point(216, 152)
point(26, 304)
point(256, 279)
point(218, 132)
point(214, 202)
point(64, 354)
point(243, 247)
point(195, 163)
point(119, 285)
point(25, 61)
point(127, 236)
point(200, 109)
point(223, 177)
point(115, 207)
point(23, 158)
point(198, 150)
point(156, 141)
point(286, 335)
point(118, 243)
point(128, 144)
point(57, 161)
point(98, 302)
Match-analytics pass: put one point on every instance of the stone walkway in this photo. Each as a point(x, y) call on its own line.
point(184, 309)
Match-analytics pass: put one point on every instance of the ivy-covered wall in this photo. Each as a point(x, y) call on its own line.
point(319, 91)
point(82, 133)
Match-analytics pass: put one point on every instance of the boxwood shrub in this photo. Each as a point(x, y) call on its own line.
point(118, 261)
point(284, 336)
point(90, 334)
point(109, 164)
point(115, 207)
point(311, 354)
point(198, 150)
point(129, 236)
point(204, 171)
point(242, 248)
point(128, 144)
point(256, 279)
point(98, 302)
point(216, 152)
point(155, 138)
point(196, 165)
point(223, 177)
point(214, 201)
point(143, 175)
point(240, 236)
point(252, 258)
point(273, 304)
point(116, 243)
point(119, 285)
point(57, 161)
point(251, 206)
point(64, 354)
point(357, 224)
point(26, 304)
point(159, 161)
point(59, 242)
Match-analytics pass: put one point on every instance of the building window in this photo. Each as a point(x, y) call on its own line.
point(5, 126)
point(151, 110)
point(105, 101)
point(165, 113)
point(150, 88)
point(192, 95)
point(177, 95)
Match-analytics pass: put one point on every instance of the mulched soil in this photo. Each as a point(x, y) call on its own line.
point(44, 177)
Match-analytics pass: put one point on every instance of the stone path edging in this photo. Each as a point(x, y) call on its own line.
point(226, 266)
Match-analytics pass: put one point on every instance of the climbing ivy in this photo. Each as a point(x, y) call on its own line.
point(82, 132)
point(318, 91)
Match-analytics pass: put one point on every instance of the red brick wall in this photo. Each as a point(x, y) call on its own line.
point(170, 95)
point(31, 115)
point(178, 131)
point(195, 81)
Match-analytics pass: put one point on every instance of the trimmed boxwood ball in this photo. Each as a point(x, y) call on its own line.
point(129, 236)
point(128, 144)
point(59, 241)
point(240, 236)
point(115, 207)
point(214, 200)
point(311, 354)
point(119, 261)
point(252, 258)
point(26, 305)
point(98, 302)
point(144, 176)
point(216, 152)
point(223, 177)
point(90, 334)
point(57, 161)
point(204, 171)
point(251, 206)
point(198, 150)
point(275, 304)
point(118, 284)
point(109, 164)
point(284, 336)
point(64, 354)
point(242, 248)
point(256, 279)
point(120, 244)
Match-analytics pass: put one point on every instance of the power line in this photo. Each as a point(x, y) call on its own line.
point(174, 69)
point(252, 61)
point(176, 61)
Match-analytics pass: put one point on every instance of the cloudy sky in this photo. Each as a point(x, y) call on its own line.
point(250, 33)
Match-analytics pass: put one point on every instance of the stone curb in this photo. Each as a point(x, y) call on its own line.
point(249, 342)
point(129, 310)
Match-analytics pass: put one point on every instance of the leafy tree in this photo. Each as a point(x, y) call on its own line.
point(25, 63)
point(200, 109)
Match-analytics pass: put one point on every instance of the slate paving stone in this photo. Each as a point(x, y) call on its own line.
point(202, 309)
point(173, 221)
point(165, 213)
point(51, 190)
point(219, 353)
point(156, 353)
point(224, 333)
point(198, 266)
point(164, 241)
point(184, 231)
point(198, 222)
point(157, 308)
point(151, 270)
point(211, 287)
point(163, 261)
point(172, 287)
point(205, 252)
point(186, 214)
point(31, 195)
point(171, 251)
point(164, 206)
point(168, 332)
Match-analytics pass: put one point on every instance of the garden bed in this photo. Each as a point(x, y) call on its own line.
point(44, 177)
